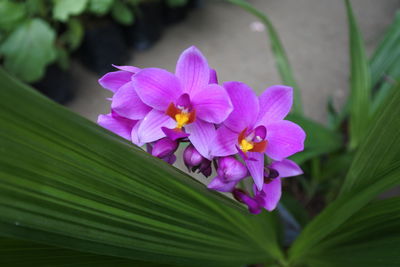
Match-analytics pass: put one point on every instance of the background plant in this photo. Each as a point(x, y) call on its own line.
point(93, 198)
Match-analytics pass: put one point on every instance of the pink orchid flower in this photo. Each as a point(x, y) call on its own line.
point(185, 104)
point(256, 127)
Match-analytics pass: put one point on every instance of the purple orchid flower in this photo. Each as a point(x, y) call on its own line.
point(117, 124)
point(195, 161)
point(256, 127)
point(270, 194)
point(186, 104)
point(230, 171)
point(125, 101)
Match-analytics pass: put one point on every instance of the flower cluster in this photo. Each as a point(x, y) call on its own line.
point(244, 135)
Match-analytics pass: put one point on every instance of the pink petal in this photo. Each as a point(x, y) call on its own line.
point(224, 143)
point(256, 168)
point(118, 125)
point(285, 138)
point(275, 104)
point(127, 103)
point(219, 184)
point(212, 104)
point(157, 87)
point(273, 192)
point(134, 134)
point(192, 70)
point(130, 69)
point(213, 77)
point(150, 127)
point(245, 106)
point(114, 80)
point(201, 133)
point(231, 169)
point(286, 168)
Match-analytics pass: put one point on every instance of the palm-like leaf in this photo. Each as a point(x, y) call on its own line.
point(67, 182)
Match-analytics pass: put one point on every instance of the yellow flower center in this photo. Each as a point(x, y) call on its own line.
point(246, 145)
point(182, 119)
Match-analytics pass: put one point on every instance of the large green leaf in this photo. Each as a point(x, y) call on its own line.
point(24, 253)
point(63, 9)
point(282, 61)
point(28, 49)
point(369, 238)
point(320, 140)
point(10, 14)
point(67, 182)
point(375, 168)
point(360, 93)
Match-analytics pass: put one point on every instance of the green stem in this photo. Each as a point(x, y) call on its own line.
point(282, 61)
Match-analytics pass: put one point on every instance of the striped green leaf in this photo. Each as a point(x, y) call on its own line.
point(66, 182)
point(375, 168)
point(369, 238)
point(360, 85)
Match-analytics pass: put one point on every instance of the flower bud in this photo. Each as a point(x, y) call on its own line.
point(231, 169)
point(191, 157)
point(164, 147)
point(270, 174)
point(241, 196)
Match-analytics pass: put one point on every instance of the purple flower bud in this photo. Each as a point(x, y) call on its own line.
point(270, 174)
point(164, 147)
point(205, 167)
point(231, 169)
point(170, 159)
point(252, 204)
point(191, 157)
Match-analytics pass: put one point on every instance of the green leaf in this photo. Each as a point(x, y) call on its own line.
point(63, 9)
point(368, 238)
point(100, 7)
point(67, 182)
point(320, 140)
point(281, 59)
point(375, 168)
point(24, 253)
point(360, 93)
point(29, 49)
point(73, 36)
point(11, 14)
point(122, 13)
point(385, 64)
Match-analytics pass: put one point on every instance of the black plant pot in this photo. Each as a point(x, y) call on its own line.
point(172, 15)
point(57, 84)
point(103, 44)
point(148, 26)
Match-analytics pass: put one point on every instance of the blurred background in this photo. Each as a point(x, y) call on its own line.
point(63, 47)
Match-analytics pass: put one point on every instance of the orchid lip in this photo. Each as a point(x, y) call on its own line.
point(253, 141)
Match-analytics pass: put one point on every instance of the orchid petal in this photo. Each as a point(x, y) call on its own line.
point(213, 77)
point(245, 106)
point(134, 134)
point(219, 184)
point(192, 69)
point(116, 124)
point(275, 104)
point(174, 134)
point(127, 103)
point(286, 168)
point(130, 69)
point(256, 168)
point(200, 135)
point(231, 169)
point(224, 143)
point(285, 138)
point(212, 104)
point(114, 80)
point(157, 87)
point(273, 192)
point(150, 127)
